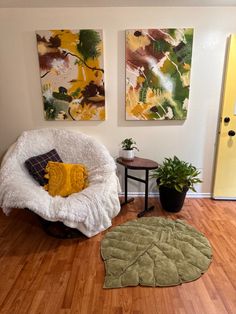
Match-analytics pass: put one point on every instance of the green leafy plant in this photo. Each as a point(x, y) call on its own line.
point(176, 174)
point(128, 144)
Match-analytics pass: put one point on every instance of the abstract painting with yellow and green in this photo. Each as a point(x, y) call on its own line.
point(158, 64)
point(72, 74)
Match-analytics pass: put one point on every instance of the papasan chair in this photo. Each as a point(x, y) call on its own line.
point(91, 210)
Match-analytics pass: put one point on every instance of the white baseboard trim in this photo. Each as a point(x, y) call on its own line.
point(223, 198)
point(156, 194)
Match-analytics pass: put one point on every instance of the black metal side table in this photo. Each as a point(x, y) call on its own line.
point(137, 164)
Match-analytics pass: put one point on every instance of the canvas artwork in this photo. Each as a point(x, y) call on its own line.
point(158, 64)
point(72, 74)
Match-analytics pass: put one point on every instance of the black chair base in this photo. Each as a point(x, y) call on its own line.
point(58, 230)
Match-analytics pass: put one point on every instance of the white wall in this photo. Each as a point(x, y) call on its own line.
point(193, 140)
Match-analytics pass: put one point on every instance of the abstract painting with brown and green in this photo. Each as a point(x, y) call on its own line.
point(72, 74)
point(158, 64)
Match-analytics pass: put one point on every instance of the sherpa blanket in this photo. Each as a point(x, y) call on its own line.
point(154, 251)
point(90, 210)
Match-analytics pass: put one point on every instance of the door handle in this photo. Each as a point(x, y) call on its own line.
point(231, 133)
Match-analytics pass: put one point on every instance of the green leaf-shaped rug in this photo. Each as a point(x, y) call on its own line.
point(154, 251)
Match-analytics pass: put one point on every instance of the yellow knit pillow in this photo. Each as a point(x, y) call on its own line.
point(65, 179)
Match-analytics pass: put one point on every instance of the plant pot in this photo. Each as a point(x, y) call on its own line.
point(172, 200)
point(127, 154)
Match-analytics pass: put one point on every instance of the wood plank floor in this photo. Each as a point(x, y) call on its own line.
point(41, 274)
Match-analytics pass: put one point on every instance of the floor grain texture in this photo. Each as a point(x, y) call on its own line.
point(42, 274)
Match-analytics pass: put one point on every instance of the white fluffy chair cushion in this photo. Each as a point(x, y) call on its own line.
point(90, 210)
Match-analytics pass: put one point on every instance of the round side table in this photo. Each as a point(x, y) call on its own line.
point(137, 164)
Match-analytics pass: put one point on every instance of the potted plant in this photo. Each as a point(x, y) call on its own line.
point(128, 145)
point(174, 178)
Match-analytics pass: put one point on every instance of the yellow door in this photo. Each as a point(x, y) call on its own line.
point(225, 167)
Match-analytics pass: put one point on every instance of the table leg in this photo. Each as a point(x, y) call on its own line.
point(126, 185)
point(126, 201)
point(146, 191)
point(146, 208)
